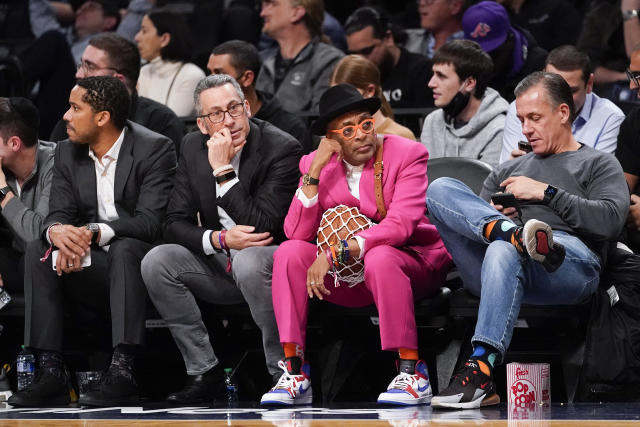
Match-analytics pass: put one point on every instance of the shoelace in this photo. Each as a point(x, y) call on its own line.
point(402, 381)
point(286, 378)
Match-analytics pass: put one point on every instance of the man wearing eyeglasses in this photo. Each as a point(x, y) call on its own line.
point(404, 258)
point(109, 54)
point(234, 183)
point(404, 75)
point(628, 154)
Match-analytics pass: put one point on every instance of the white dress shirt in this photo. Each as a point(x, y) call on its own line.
point(354, 173)
point(225, 220)
point(105, 179)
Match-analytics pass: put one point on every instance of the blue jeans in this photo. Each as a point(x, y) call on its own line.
point(495, 271)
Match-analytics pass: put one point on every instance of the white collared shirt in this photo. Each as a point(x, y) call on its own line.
point(225, 220)
point(353, 173)
point(105, 182)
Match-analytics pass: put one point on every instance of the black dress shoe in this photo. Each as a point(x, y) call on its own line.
point(200, 388)
point(115, 389)
point(45, 390)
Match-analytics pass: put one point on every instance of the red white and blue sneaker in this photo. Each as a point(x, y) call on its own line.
point(470, 388)
point(293, 387)
point(406, 388)
point(537, 238)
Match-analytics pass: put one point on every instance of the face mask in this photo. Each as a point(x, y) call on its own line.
point(457, 104)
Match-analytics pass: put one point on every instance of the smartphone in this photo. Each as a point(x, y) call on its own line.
point(86, 261)
point(524, 146)
point(506, 200)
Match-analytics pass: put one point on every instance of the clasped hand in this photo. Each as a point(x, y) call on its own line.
point(73, 244)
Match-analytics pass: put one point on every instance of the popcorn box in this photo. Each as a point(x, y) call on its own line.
point(528, 385)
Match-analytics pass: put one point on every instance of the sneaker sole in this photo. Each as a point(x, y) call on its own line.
point(307, 399)
point(494, 399)
point(415, 402)
point(538, 241)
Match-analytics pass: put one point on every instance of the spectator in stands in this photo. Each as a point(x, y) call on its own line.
point(597, 119)
point(26, 167)
point(109, 54)
point(515, 53)
point(363, 74)
point(168, 78)
point(369, 34)
point(552, 23)
point(241, 60)
point(110, 187)
point(297, 71)
point(628, 154)
point(229, 218)
point(403, 256)
point(573, 203)
point(610, 31)
point(471, 116)
point(440, 22)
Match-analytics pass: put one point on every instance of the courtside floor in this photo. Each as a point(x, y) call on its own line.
point(343, 415)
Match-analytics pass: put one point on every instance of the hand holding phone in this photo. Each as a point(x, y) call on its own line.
point(525, 146)
point(85, 262)
point(506, 200)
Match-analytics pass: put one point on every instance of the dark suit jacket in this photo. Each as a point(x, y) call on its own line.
point(143, 182)
point(268, 178)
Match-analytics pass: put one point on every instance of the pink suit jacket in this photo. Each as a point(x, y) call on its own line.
point(404, 184)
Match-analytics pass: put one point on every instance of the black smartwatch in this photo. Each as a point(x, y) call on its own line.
point(226, 177)
point(4, 191)
point(549, 193)
point(95, 229)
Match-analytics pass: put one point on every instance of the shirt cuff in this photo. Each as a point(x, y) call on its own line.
point(221, 190)
point(207, 246)
point(361, 241)
point(306, 202)
point(106, 234)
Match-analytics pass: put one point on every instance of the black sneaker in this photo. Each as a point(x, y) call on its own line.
point(537, 241)
point(470, 388)
point(115, 389)
point(45, 390)
point(204, 388)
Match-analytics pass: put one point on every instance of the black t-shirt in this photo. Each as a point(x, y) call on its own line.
point(552, 23)
point(628, 150)
point(406, 85)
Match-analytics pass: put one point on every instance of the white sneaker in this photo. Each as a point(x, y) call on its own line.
point(409, 389)
point(290, 389)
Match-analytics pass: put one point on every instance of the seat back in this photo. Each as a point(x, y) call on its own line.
point(470, 171)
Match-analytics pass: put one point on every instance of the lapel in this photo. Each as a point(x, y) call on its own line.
point(86, 182)
point(251, 157)
point(205, 182)
point(368, 205)
point(123, 167)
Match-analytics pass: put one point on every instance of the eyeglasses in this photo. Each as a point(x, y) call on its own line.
point(634, 76)
point(365, 51)
point(90, 68)
point(235, 110)
point(349, 132)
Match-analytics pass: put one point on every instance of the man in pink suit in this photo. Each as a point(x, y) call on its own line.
point(404, 258)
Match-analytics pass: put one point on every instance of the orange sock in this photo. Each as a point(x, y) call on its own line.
point(293, 350)
point(488, 228)
point(408, 354)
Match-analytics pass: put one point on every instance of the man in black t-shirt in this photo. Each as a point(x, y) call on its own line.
point(628, 154)
point(404, 75)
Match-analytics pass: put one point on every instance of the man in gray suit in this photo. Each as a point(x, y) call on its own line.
point(111, 185)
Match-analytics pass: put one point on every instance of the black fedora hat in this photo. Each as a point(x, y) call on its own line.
point(338, 100)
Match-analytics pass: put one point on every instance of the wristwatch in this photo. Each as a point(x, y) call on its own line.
point(629, 14)
point(95, 229)
point(308, 180)
point(225, 177)
point(3, 192)
point(549, 194)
